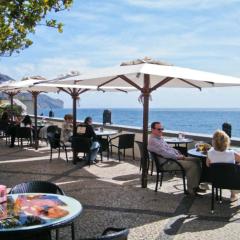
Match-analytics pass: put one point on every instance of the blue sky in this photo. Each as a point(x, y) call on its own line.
point(199, 34)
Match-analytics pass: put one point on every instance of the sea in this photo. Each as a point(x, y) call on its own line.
point(183, 120)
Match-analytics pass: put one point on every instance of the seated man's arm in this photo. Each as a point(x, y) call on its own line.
point(160, 147)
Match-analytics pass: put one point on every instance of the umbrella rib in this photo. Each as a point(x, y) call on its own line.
point(110, 80)
point(194, 85)
point(83, 91)
point(123, 77)
point(121, 90)
point(11, 93)
point(164, 81)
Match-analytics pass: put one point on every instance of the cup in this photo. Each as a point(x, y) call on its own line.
point(3, 193)
point(180, 135)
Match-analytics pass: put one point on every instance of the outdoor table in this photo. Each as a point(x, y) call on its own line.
point(179, 141)
point(104, 132)
point(30, 215)
point(205, 176)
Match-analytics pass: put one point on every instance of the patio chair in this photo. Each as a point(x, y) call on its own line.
point(161, 163)
point(41, 187)
point(224, 176)
point(140, 146)
point(125, 141)
point(56, 143)
point(111, 233)
point(81, 144)
point(24, 133)
point(3, 130)
point(104, 146)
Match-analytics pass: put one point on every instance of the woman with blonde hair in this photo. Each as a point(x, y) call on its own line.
point(220, 153)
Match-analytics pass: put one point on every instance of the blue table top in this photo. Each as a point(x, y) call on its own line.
point(31, 211)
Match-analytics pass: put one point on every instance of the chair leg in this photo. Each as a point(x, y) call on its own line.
point(133, 153)
point(184, 183)
point(212, 202)
point(161, 179)
point(220, 193)
point(66, 154)
point(50, 154)
point(57, 234)
point(216, 194)
point(124, 151)
point(59, 152)
point(73, 231)
point(157, 180)
point(119, 156)
point(152, 168)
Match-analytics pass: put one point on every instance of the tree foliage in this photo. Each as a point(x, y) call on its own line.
point(19, 18)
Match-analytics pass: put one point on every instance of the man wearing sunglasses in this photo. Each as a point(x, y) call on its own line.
point(191, 165)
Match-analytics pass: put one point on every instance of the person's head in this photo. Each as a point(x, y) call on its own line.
point(27, 120)
point(68, 117)
point(220, 141)
point(157, 129)
point(88, 120)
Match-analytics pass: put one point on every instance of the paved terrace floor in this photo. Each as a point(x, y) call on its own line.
point(111, 195)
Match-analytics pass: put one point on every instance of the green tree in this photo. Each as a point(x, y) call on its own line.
point(19, 18)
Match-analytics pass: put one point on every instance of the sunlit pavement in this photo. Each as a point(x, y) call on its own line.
point(111, 195)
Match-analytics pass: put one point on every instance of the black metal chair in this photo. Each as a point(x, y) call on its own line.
point(224, 176)
point(56, 143)
point(125, 141)
point(81, 144)
point(52, 128)
point(112, 233)
point(41, 187)
point(104, 146)
point(161, 163)
point(149, 159)
point(4, 130)
point(24, 133)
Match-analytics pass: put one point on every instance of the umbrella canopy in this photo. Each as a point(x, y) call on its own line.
point(147, 75)
point(36, 85)
point(161, 76)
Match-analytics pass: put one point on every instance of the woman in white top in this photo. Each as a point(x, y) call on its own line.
point(67, 129)
point(220, 153)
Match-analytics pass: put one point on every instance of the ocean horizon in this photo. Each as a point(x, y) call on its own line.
point(195, 120)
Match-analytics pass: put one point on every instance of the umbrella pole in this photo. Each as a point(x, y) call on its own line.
point(75, 96)
point(35, 95)
point(11, 102)
point(146, 93)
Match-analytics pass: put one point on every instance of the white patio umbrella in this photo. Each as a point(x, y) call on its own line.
point(37, 85)
point(146, 76)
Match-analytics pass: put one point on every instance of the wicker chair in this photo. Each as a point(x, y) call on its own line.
point(161, 162)
point(125, 141)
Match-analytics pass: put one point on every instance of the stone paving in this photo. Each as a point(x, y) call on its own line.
point(111, 195)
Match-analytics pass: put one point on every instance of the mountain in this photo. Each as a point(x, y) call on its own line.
point(44, 101)
point(4, 78)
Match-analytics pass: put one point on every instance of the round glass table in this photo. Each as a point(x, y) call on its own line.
point(29, 213)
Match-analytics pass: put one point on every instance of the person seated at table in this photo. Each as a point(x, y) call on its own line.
point(220, 153)
point(67, 129)
point(89, 133)
point(26, 122)
point(191, 165)
point(5, 117)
